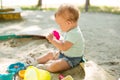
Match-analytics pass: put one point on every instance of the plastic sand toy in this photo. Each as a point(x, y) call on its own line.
point(6, 76)
point(16, 67)
point(33, 73)
point(61, 76)
point(56, 34)
point(21, 73)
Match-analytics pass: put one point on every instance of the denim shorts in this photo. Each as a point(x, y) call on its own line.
point(72, 61)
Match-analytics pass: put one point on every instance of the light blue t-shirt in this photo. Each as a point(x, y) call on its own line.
point(75, 36)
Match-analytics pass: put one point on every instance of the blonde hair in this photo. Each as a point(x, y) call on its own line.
point(68, 12)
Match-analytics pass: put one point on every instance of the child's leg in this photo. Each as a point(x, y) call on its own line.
point(58, 65)
point(45, 58)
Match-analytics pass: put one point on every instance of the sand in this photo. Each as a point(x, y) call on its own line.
point(101, 32)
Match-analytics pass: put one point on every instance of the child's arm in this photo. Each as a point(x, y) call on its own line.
point(63, 46)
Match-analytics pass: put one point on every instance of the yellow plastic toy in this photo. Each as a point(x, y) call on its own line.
point(33, 73)
point(68, 78)
point(21, 73)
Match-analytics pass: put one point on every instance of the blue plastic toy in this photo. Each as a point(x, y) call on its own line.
point(15, 68)
point(12, 69)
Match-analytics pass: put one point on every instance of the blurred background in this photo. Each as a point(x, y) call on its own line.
point(91, 5)
point(56, 3)
point(99, 22)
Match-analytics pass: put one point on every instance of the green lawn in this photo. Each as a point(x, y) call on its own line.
point(106, 9)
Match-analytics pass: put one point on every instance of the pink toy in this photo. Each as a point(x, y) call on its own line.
point(61, 76)
point(56, 34)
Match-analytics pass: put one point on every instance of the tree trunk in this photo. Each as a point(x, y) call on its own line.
point(39, 4)
point(87, 4)
point(1, 5)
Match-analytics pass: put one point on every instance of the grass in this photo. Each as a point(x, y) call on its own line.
point(106, 9)
point(37, 8)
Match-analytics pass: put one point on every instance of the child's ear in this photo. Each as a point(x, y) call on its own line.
point(69, 22)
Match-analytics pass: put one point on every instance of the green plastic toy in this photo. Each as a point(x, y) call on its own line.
point(7, 76)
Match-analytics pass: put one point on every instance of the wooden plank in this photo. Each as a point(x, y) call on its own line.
point(6, 14)
point(31, 31)
point(27, 33)
point(95, 72)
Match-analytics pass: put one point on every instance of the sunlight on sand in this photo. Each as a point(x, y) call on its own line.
point(4, 65)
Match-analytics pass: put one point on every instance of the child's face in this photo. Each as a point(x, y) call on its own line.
point(64, 25)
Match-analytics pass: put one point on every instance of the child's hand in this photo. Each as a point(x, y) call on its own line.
point(50, 37)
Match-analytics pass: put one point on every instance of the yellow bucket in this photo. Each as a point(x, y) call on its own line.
point(33, 73)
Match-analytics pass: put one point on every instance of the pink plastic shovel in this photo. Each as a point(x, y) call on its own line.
point(56, 34)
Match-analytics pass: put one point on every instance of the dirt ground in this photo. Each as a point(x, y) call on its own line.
point(101, 32)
